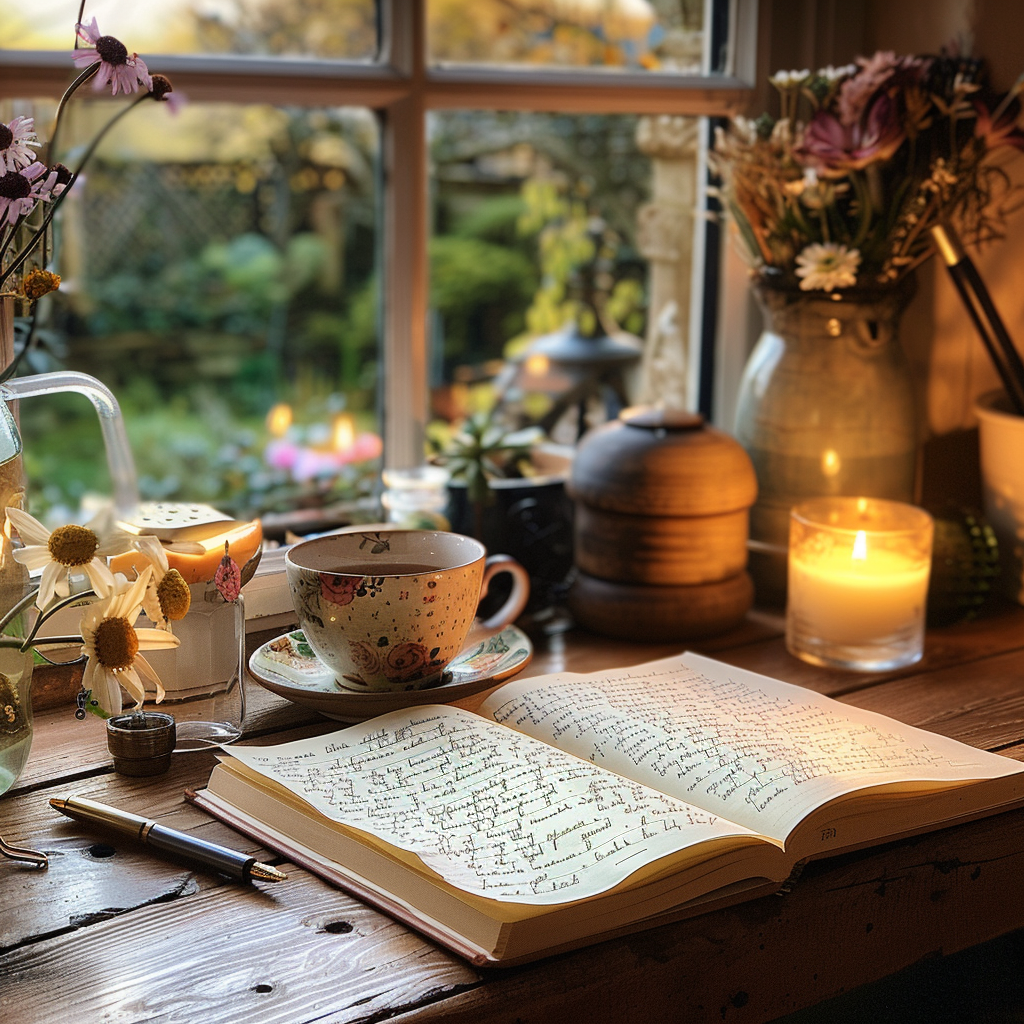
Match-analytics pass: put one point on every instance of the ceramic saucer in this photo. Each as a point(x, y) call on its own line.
point(288, 667)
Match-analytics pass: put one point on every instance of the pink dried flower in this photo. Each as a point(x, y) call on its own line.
point(16, 139)
point(834, 148)
point(21, 190)
point(228, 578)
point(119, 69)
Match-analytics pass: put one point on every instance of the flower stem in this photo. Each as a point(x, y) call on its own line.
point(54, 641)
point(68, 93)
point(50, 610)
point(12, 368)
point(23, 605)
point(30, 244)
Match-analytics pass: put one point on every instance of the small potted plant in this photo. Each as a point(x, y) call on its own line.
point(507, 489)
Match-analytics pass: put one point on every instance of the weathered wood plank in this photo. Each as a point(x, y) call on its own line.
point(283, 954)
point(980, 703)
point(999, 631)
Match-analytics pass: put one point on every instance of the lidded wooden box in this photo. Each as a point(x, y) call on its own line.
point(661, 507)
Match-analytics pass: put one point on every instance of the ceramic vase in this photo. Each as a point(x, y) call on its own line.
point(826, 407)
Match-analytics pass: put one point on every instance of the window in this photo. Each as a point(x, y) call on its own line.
point(345, 170)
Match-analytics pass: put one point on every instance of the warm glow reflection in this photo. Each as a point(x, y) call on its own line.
point(830, 462)
point(343, 433)
point(279, 419)
point(860, 547)
point(537, 365)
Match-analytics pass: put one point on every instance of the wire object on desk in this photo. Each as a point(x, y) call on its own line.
point(983, 312)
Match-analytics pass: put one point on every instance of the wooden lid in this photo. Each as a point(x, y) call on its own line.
point(660, 462)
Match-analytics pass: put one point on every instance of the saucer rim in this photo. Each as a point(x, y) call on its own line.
point(442, 693)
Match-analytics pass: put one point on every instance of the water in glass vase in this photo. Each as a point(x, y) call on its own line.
point(15, 715)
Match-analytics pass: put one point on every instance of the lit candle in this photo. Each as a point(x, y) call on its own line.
point(858, 582)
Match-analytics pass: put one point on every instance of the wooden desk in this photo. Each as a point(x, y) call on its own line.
point(111, 932)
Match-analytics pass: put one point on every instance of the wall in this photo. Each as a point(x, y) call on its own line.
point(938, 335)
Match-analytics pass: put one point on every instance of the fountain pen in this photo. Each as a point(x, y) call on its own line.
point(228, 862)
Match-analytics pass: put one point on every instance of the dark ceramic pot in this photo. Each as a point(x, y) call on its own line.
point(529, 519)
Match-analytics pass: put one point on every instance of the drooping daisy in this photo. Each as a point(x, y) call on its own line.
point(67, 550)
point(827, 266)
point(167, 597)
point(16, 140)
point(112, 643)
point(118, 68)
point(21, 190)
point(163, 92)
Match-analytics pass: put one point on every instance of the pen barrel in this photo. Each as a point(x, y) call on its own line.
point(229, 862)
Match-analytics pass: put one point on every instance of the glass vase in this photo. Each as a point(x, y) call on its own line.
point(15, 714)
point(15, 666)
point(826, 408)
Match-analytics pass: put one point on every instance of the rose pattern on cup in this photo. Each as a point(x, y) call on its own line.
point(339, 589)
point(404, 662)
point(387, 629)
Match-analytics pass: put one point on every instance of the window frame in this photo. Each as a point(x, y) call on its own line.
point(402, 89)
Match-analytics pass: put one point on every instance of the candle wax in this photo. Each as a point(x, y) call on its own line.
point(843, 600)
point(200, 568)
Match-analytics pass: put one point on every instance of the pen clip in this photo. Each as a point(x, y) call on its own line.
point(40, 860)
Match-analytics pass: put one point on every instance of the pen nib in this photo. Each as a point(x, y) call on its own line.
point(266, 873)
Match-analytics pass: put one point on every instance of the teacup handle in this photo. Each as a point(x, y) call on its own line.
point(516, 602)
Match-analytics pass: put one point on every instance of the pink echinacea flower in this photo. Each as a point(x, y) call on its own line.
point(118, 68)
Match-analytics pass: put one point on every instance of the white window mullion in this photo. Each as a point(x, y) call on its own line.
point(405, 283)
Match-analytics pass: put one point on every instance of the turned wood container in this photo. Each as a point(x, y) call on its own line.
point(661, 507)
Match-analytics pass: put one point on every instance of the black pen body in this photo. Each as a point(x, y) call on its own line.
point(229, 862)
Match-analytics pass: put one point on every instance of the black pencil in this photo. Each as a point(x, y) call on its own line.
point(983, 312)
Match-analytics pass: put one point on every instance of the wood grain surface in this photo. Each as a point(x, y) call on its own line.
point(112, 932)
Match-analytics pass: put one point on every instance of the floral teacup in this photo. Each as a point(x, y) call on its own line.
point(389, 609)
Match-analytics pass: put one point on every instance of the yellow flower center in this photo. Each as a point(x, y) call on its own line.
point(174, 595)
point(116, 643)
point(73, 545)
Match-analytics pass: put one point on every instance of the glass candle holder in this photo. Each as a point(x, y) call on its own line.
point(858, 583)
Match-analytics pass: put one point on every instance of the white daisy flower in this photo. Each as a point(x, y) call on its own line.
point(827, 266)
point(167, 597)
point(112, 644)
point(16, 140)
point(68, 550)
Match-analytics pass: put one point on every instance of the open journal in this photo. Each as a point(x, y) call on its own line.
point(571, 808)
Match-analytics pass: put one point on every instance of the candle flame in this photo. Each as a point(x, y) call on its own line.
point(279, 419)
point(860, 547)
point(830, 462)
point(343, 433)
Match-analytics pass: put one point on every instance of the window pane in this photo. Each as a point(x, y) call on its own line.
point(634, 35)
point(537, 216)
point(219, 277)
point(326, 29)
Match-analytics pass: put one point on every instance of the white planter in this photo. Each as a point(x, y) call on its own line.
point(1001, 434)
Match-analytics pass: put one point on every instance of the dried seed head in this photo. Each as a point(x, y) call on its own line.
point(174, 595)
point(116, 643)
point(112, 50)
point(73, 545)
